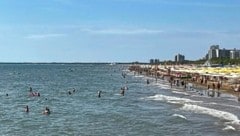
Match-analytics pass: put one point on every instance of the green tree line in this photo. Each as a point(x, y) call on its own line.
point(225, 61)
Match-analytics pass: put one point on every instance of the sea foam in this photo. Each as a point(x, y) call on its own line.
point(179, 115)
point(228, 127)
point(171, 99)
point(233, 119)
point(178, 92)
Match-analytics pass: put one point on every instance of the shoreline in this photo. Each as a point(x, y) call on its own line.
point(191, 74)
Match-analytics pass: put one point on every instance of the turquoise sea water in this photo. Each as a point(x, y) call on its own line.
point(154, 109)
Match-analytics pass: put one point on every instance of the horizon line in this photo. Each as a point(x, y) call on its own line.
point(107, 62)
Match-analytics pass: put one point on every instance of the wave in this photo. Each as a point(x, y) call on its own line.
point(233, 119)
point(162, 85)
point(171, 99)
point(228, 127)
point(177, 92)
point(127, 70)
point(167, 87)
point(179, 115)
point(226, 105)
point(139, 76)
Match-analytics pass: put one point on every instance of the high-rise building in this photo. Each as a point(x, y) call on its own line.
point(224, 53)
point(213, 52)
point(154, 61)
point(216, 52)
point(235, 54)
point(179, 58)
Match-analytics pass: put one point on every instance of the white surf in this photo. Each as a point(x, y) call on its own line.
point(179, 115)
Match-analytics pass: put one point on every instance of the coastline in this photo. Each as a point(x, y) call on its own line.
point(200, 77)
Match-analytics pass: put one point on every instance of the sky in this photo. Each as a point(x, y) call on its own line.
point(115, 30)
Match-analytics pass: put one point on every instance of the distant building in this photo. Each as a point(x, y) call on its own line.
point(213, 52)
point(235, 54)
point(179, 58)
point(151, 61)
point(224, 53)
point(216, 52)
point(154, 61)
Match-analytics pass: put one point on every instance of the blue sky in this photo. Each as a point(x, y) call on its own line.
point(115, 30)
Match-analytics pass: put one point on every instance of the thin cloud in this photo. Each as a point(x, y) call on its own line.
point(43, 36)
point(64, 2)
point(187, 3)
point(199, 4)
point(122, 31)
point(201, 34)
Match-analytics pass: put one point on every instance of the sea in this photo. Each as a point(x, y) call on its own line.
point(153, 109)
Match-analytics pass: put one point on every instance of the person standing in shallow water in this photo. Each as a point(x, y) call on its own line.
point(213, 85)
point(99, 94)
point(26, 109)
point(30, 89)
point(218, 86)
point(122, 91)
point(148, 82)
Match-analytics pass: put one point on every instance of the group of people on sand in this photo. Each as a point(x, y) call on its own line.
point(26, 108)
point(185, 85)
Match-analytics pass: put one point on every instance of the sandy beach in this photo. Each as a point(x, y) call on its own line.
point(225, 79)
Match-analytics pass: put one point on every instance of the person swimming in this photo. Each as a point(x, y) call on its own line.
point(122, 91)
point(34, 94)
point(26, 109)
point(30, 89)
point(99, 94)
point(47, 111)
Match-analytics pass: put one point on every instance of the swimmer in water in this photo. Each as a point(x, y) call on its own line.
point(47, 111)
point(30, 89)
point(99, 94)
point(148, 82)
point(122, 91)
point(26, 109)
